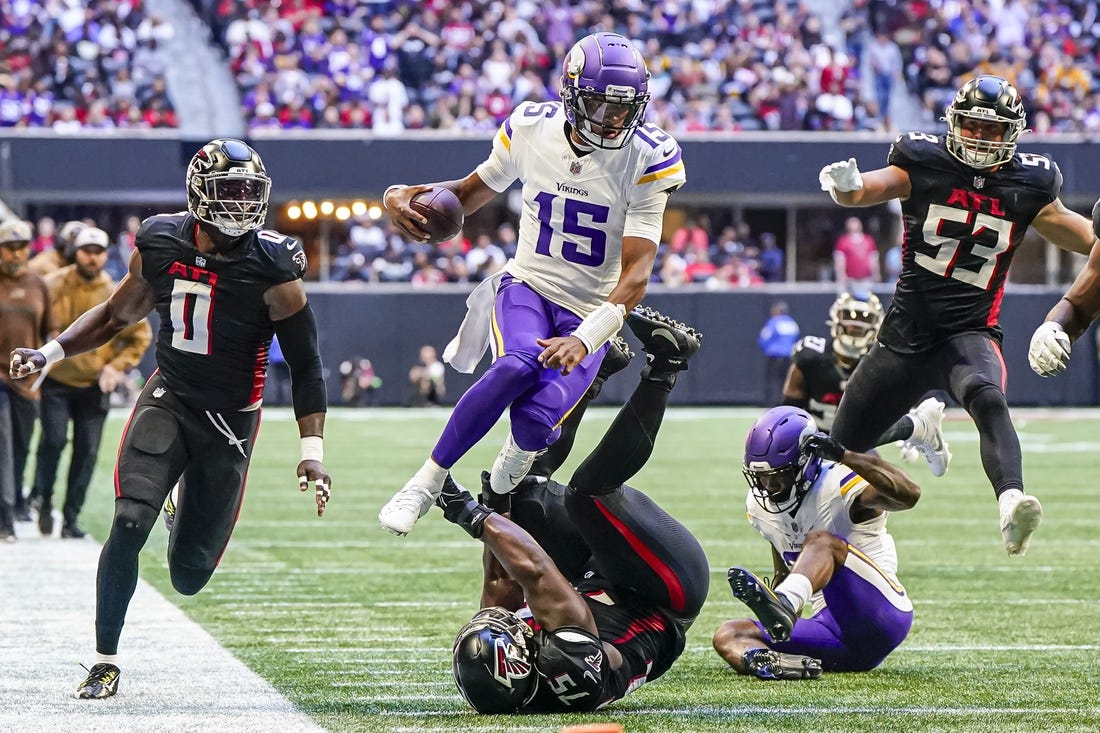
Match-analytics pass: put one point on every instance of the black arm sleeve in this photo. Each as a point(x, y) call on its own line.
point(298, 339)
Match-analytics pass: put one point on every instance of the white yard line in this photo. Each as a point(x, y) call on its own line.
point(175, 676)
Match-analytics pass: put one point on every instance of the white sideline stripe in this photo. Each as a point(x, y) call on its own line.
point(175, 676)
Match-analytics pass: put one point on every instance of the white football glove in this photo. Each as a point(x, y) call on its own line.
point(841, 176)
point(1050, 348)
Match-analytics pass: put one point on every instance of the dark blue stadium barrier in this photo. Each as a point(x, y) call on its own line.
point(777, 168)
point(390, 326)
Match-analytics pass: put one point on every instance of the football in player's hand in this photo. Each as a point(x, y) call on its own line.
point(443, 211)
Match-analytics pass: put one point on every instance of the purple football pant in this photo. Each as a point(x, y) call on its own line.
point(867, 616)
point(540, 398)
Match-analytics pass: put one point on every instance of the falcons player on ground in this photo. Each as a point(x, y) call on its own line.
point(595, 183)
point(967, 199)
point(221, 286)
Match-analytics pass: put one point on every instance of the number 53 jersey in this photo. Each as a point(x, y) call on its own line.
point(962, 229)
point(215, 328)
point(578, 208)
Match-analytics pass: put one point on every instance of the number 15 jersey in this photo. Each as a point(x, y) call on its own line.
point(577, 209)
point(962, 229)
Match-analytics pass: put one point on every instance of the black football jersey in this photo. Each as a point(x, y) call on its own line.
point(574, 673)
point(215, 330)
point(962, 229)
point(823, 378)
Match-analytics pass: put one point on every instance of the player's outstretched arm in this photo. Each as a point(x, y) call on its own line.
point(794, 388)
point(471, 191)
point(849, 187)
point(297, 331)
point(131, 301)
point(1065, 228)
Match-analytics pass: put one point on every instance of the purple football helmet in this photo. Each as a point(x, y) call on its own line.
point(779, 472)
point(605, 89)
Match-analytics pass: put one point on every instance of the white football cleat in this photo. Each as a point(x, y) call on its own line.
point(927, 435)
point(1020, 517)
point(510, 466)
point(408, 505)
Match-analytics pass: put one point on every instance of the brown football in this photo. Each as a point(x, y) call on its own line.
point(443, 211)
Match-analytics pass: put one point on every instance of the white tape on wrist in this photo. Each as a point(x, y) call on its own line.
point(387, 191)
point(313, 448)
point(601, 325)
point(53, 353)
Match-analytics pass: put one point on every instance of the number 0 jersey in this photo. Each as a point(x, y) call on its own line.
point(577, 209)
point(214, 325)
point(962, 229)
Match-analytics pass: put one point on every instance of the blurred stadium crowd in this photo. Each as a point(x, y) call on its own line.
point(718, 65)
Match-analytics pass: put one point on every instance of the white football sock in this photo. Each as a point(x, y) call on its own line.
point(797, 589)
point(1008, 498)
point(106, 659)
point(432, 473)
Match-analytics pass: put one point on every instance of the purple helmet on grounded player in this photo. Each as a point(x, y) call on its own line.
point(605, 89)
point(777, 469)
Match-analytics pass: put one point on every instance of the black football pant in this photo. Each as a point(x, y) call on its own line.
point(968, 366)
point(165, 442)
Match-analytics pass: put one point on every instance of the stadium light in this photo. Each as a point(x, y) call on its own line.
point(294, 212)
point(309, 209)
point(343, 213)
point(359, 208)
point(327, 208)
point(375, 212)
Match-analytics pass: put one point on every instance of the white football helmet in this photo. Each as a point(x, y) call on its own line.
point(855, 323)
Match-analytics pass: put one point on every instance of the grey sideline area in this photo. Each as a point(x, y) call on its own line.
point(175, 676)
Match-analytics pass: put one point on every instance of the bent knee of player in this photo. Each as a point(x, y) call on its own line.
point(189, 581)
point(827, 542)
point(134, 519)
point(984, 401)
point(534, 426)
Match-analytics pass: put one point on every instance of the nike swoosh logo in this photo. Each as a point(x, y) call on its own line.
point(291, 244)
point(666, 334)
point(668, 151)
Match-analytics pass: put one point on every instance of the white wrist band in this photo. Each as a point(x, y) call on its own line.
point(53, 352)
point(313, 448)
point(600, 325)
point(387, 192)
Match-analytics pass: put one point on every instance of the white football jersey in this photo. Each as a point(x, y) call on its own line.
point(827, 507)
point(576, 210)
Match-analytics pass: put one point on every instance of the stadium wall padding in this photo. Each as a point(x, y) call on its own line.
point(390, 327)
point(777, 168)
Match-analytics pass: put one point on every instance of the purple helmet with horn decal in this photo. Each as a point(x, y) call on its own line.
point(777, 469)
point(605, 89)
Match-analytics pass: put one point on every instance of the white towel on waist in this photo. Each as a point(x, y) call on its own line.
point(468, 346)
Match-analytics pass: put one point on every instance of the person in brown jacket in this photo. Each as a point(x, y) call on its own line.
point(24, 318)
point(52, 260)
point(79, 389)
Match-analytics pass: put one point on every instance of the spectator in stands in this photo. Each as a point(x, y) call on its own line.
point(855, 259)
point(46, 236)
point(427, 379)
point(61, 255)
point(772, 259)
point(884, 58)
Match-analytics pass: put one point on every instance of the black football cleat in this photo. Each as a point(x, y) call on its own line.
point(616, 359)
point(101, 682)
point(72, 531)
point(767, 664)
point(774, 611)
point(668, 343)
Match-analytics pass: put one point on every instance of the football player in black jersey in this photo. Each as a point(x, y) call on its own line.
point(588, 589)
point(819, 372)
point(222, 287)
point(967, 201)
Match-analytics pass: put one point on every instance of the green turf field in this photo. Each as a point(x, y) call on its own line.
point(355, 625)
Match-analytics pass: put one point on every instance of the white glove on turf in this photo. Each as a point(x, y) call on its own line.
point(1049, 350)
point(841, 176)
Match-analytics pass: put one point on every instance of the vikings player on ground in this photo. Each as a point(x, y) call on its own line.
point(823, 509)
point(222, 287)
point(595, 183)
point(588, 588)
point(968, 198)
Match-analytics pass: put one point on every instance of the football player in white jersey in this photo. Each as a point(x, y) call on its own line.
point(823, 509)
point(595, 183)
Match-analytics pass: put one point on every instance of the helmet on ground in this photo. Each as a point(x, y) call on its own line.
point(494, 661)
point(779, 472)
point(855, 323)
point(604, 89)
point(228, 187)
point(988, 99)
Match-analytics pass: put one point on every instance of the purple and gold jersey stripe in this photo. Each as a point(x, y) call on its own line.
point(849, 482)
point(505, 134)
point(896, 586)
point(667, 167)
